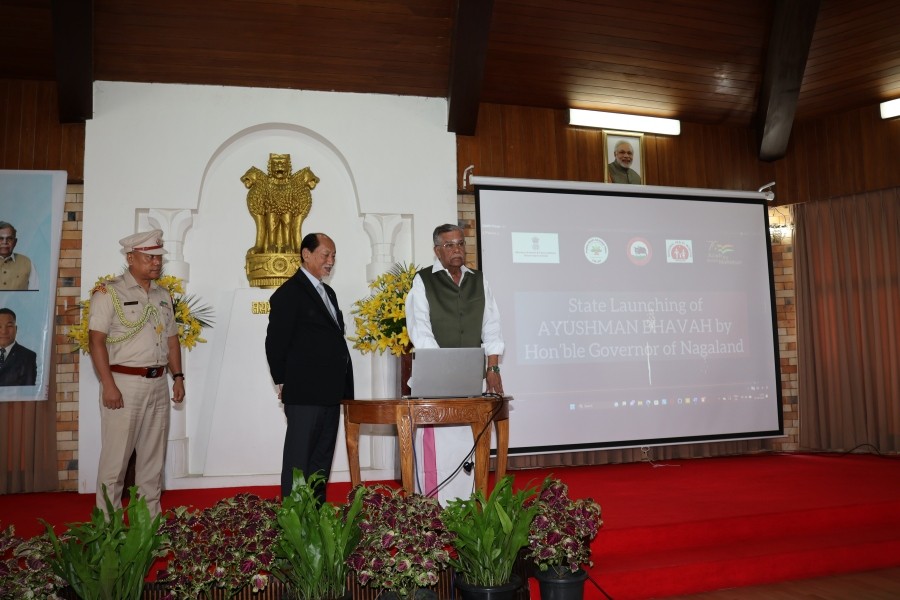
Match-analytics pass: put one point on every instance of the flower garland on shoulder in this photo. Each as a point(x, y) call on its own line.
point(190, 316)
point(381, 320)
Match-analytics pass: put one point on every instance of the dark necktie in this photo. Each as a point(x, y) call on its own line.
point(2, 355)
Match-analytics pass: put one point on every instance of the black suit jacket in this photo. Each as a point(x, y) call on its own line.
point(20, 367)
point(305, 348)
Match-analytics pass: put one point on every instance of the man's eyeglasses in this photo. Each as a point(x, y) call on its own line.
point(7, 238)
point(452, 245)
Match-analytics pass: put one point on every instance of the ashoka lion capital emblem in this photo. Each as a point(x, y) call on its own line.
point(278, 201)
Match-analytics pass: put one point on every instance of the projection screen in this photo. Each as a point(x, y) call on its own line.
point(632, 315)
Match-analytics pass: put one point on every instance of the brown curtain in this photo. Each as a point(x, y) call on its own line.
point(847, 259)
point(28, 443)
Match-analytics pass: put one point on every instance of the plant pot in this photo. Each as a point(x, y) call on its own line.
point(507, 591)
point(288, 595)
point(419, 594)
point(561, 584)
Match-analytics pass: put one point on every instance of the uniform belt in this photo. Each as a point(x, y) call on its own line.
point(148, 372)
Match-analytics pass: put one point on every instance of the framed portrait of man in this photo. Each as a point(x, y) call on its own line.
point(624, 153)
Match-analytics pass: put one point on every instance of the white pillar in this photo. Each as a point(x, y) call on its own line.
point(175, 224)
point(382, 231)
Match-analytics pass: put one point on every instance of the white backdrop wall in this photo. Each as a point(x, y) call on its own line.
point(171, 156)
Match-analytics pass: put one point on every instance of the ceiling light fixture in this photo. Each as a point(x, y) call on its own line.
point(607, 120)
point(890, 109)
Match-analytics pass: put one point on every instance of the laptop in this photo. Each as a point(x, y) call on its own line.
point(447, 373)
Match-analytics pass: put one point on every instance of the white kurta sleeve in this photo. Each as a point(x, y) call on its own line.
point(418, 316)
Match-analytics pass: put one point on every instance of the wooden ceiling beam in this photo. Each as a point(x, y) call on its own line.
point(468, 52)
point(793, 25)
point(73, 45)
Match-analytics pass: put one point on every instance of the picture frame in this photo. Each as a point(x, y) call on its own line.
point(613, 174)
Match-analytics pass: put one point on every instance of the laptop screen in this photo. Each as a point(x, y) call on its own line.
point(447, 373)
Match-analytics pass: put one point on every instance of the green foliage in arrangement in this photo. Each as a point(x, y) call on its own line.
point(24, 570)
point(108, 557)
point(490, 532)
point(225, 547)
point(315, 540)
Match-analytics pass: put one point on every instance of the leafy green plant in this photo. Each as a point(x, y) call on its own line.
point(108, 558)
point(489, 532)
point(24, 570)
point(561, 533)
point(227, 546)
point(315, 540)
point(404, 544)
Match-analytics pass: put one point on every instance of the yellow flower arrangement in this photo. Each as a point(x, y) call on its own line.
point(190, 316)
point(381, 324)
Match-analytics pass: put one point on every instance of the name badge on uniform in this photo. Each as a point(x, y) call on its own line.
point(130, 303)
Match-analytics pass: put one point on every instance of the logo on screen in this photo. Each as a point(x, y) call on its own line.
point(722, 253)
point(679, 251)
point(596, 250)
point(639, 251)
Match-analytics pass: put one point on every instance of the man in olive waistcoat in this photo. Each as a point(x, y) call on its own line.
point(451, 306)
point(16, 270)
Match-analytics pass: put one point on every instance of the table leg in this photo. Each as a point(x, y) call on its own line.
point(502, 429)
point(405, 441)
point(351, 431)
point(482, 456)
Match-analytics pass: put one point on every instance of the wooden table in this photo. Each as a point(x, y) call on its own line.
point(409, 414)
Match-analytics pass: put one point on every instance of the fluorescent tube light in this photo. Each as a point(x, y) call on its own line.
point(607, 120)
point(890, 109)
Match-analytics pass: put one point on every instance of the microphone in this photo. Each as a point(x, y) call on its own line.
point(468, 466)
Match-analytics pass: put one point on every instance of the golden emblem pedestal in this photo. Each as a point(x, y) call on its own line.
point(270, 270)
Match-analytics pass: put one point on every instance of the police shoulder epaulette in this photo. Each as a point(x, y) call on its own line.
point(100, 287)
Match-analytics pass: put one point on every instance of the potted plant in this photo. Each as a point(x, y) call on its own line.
point(559, 542)
point(380, 322)
point(404, 544)
point(490, 532)
point(24, 568)
point(108, 558)
point(227, 546)
point(315, 540)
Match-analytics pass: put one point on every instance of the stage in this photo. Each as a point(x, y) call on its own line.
point(671, 527)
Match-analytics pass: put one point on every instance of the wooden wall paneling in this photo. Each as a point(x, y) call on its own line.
point(831, 165)
point(591, 161)
point(44, 115)
point(742, 172)
point(817, 178)
point(4, 109)
point(27, 123)
point(31, 136)
point(72, 152)
point(12, 110)
point(660, 169)
point(837, 155)
point(565, 150)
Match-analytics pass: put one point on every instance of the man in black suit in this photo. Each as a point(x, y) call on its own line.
point(18, 364)
point(309, 361)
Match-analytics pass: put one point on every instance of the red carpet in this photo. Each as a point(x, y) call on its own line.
point(676, 527)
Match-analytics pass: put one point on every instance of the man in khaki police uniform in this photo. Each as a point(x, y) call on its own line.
point(133, 339)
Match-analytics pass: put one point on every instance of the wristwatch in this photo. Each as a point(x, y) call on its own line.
point(177, 375)
point(494, 368)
